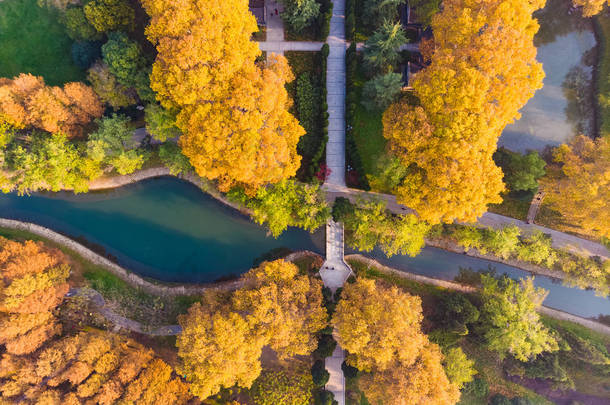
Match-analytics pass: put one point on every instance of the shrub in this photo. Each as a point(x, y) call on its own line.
point(308, 108)
point(84, 53)
point(500, 399)
point(477, 387)
point(319, 374)
point(537, 249)
point(324, 397)
point(326, 346)
point(349, 371)
point(278, 387)
point(172, 157)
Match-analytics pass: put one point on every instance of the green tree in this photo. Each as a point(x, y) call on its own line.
point(160, 122)
point(110, 15)
point(287, 203)
point(172, 157)
point(381, 49)
point(521, 172)
point(502, 242)
point(375, 12)
point(78, 27)
point(299, 14)
point(113, 143)
point(460, 370)
point(279, 387)
point(369, 224)
point(426, 9)
point(108, 88)
point(381, 91)
point(537, 248)
point(124, 58)
point(511, 319)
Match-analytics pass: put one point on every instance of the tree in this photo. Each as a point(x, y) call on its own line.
point(581, 191)
point(33, 284)
point(426, 9)
point(513, 325)
point(110, 15)
point(368, 224)
point(590, 7)
point(77, 25)
point(521, 172)
point(422, 382)
point(113, 143)
point(376, 12)
point(381, 49)
point(381, 91)
point(285, 307)
point(108, 88)
point(460, 370)
point(537, 248)
point(233, 113)
point(374, 321)
point(279, 387)
point(84, 53)
point(287, 203)
point(483, 70)
point(319, 374)
point(171, 156)
point(25, 101)
point(299, 14)
point(123, 57)
point(218, 348)
point(161, 123)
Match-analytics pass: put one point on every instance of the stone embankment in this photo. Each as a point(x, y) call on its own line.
point(553, 313)
point(129, 277)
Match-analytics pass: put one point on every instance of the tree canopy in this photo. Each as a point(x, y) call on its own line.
point(581, 190)
point(483, 70)
point(590, 7)
point(233, 112)
point(110, 15)
point(513, 325)
point(521, 172)
point(25, 101)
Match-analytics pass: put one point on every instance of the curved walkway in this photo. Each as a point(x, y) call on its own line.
point(120, 322)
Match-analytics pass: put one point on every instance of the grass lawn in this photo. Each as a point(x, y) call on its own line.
point(368, 132)
point(34, 41)
point(514, 207)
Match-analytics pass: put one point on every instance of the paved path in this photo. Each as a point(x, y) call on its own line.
point(335, 271)
point(561, 240)
point(119, 321)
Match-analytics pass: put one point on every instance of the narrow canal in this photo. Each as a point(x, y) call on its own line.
point(169, 230)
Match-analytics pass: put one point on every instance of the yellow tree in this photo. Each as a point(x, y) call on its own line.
point(218, 348)
point(233, 112)
point(32, 285)
point(590, 7)
point(483, 70)
point(581, 191)
point(374, 322)
point(423, 382)
point(285, 306)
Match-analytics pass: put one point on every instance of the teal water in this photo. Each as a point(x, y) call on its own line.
point(169, 230)
point(163, 228)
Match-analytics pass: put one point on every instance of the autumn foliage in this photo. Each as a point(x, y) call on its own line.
point(33, 284)
point(222, 338)
point(93, 367)
point(483, 70)
point(25, 101)
point(233, 111)
point(380, 327)
point(581, 190)
point(590, 7)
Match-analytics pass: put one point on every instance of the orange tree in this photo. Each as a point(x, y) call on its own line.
point(483, 70)
point(233, 112)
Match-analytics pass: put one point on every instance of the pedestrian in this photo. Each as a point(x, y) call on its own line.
point(276, 12)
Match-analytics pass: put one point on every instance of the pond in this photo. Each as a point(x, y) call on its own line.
point(564, 107)
point(168, 229)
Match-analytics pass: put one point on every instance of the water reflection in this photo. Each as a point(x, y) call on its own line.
point(564, 106)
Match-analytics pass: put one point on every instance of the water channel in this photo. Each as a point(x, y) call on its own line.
point(564, 107)
point(168, 229)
